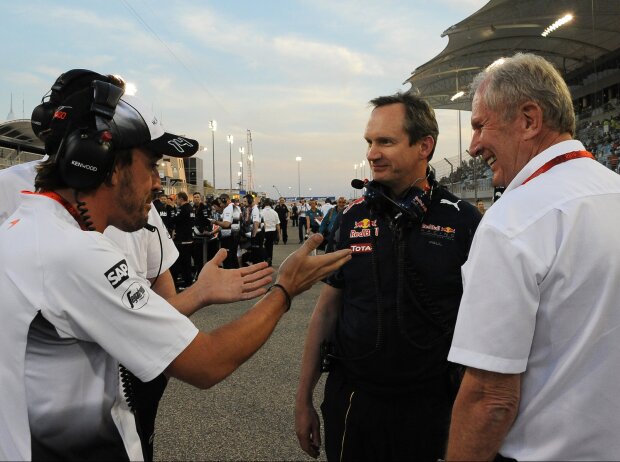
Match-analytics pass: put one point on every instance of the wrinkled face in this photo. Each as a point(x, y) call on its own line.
point(394, 163)
point(497, 141)
point(137, 185)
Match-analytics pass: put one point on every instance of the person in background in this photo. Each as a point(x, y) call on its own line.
point(329, 225)
point(314, 216)
point(228, 238)
point(301, 217)
point(184, 240)
point(272, 229)
point(283, 214)
point(480, 206)
point(539, 315)
point(294, 214)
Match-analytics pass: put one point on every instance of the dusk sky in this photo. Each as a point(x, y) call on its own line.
point(298, 74)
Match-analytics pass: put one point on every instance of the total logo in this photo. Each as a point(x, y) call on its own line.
point(361, 248)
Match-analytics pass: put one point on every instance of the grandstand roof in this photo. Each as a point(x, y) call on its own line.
point(18, 134)
point(503, 27)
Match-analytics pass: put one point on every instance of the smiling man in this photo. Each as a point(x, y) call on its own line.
point(384, 321)
point(74, 310)
point(538, 322)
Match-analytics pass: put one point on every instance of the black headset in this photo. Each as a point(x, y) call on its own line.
point(73, 120)
point(85, 155)
point(410, 208)
point(65, 85)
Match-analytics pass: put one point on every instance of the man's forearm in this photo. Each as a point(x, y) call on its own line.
point(483, 413)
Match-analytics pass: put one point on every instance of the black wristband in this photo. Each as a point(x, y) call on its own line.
point(286, 294)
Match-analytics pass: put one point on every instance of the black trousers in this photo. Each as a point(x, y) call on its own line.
point(283, 226)
point(183, 266)
point(383, 427)
point(231, 243)
point(302, 228)
point(270, 237)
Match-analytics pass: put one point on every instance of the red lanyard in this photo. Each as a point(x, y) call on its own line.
point(558, 160)
point(62, 201)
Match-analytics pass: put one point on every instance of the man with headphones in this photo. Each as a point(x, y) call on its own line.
point(383, 323)
point(75, 310)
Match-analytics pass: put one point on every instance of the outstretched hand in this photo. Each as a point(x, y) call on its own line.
point(300, 270)
point(221, 285)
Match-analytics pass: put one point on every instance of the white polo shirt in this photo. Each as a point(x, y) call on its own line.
point(227, 215)
point(142, 248)
point(73, 308)
point(542, 299)
point(270, 218)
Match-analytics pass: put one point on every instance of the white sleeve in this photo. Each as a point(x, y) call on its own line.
point(154, 253)
point(497, 316)
point(97, 297)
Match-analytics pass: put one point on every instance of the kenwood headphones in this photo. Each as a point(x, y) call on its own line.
point(74, 123)
point(68, 83)
point(85, 155)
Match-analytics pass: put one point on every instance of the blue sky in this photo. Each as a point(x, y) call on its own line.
point(297, 73)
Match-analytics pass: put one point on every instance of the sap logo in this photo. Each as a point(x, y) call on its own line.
point(136, 296)
point(92, 168)
point(118, 274)
point(361, 248)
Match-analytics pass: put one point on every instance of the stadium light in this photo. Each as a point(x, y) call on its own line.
point(559, 23)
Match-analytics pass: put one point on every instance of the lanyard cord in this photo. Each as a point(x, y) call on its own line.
point(558, 160)
point(62, 201)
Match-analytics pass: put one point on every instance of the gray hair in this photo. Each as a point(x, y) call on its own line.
point(525, 76)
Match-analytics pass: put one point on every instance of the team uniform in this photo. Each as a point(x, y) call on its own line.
point(540, 302)
point(59, 367)
point(229, 238)
point(390, 390)
point(135, 246)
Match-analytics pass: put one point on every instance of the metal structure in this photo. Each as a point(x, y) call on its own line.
point(249, 174)
point(503, 27)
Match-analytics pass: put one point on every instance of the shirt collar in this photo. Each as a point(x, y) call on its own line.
point(540, 159)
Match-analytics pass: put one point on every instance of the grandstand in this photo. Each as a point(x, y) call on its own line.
point(586, 50)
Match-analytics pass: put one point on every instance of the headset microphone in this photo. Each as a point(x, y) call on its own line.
point(150, 228)
point(414, 205)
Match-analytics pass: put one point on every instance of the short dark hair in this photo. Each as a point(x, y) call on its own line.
point(182, 195)
point(249, 198)
point(419, 116)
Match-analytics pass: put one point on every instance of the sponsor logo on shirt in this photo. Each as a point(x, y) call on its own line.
point(362, 228)
point(118, 274)
point(361, 248)
point(444, 232)
point(136, 296)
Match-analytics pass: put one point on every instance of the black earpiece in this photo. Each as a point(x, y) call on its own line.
point(68, 83)
point(84, 156)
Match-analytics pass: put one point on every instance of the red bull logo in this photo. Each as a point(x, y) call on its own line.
point(365, 223)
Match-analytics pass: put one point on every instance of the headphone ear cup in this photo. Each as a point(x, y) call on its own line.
point(85, 159)
point(41, 119)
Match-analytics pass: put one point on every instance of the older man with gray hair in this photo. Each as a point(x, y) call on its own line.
point(539, 315)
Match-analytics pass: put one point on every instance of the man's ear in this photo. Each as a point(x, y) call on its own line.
point(426, 146)
point(531, 116)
